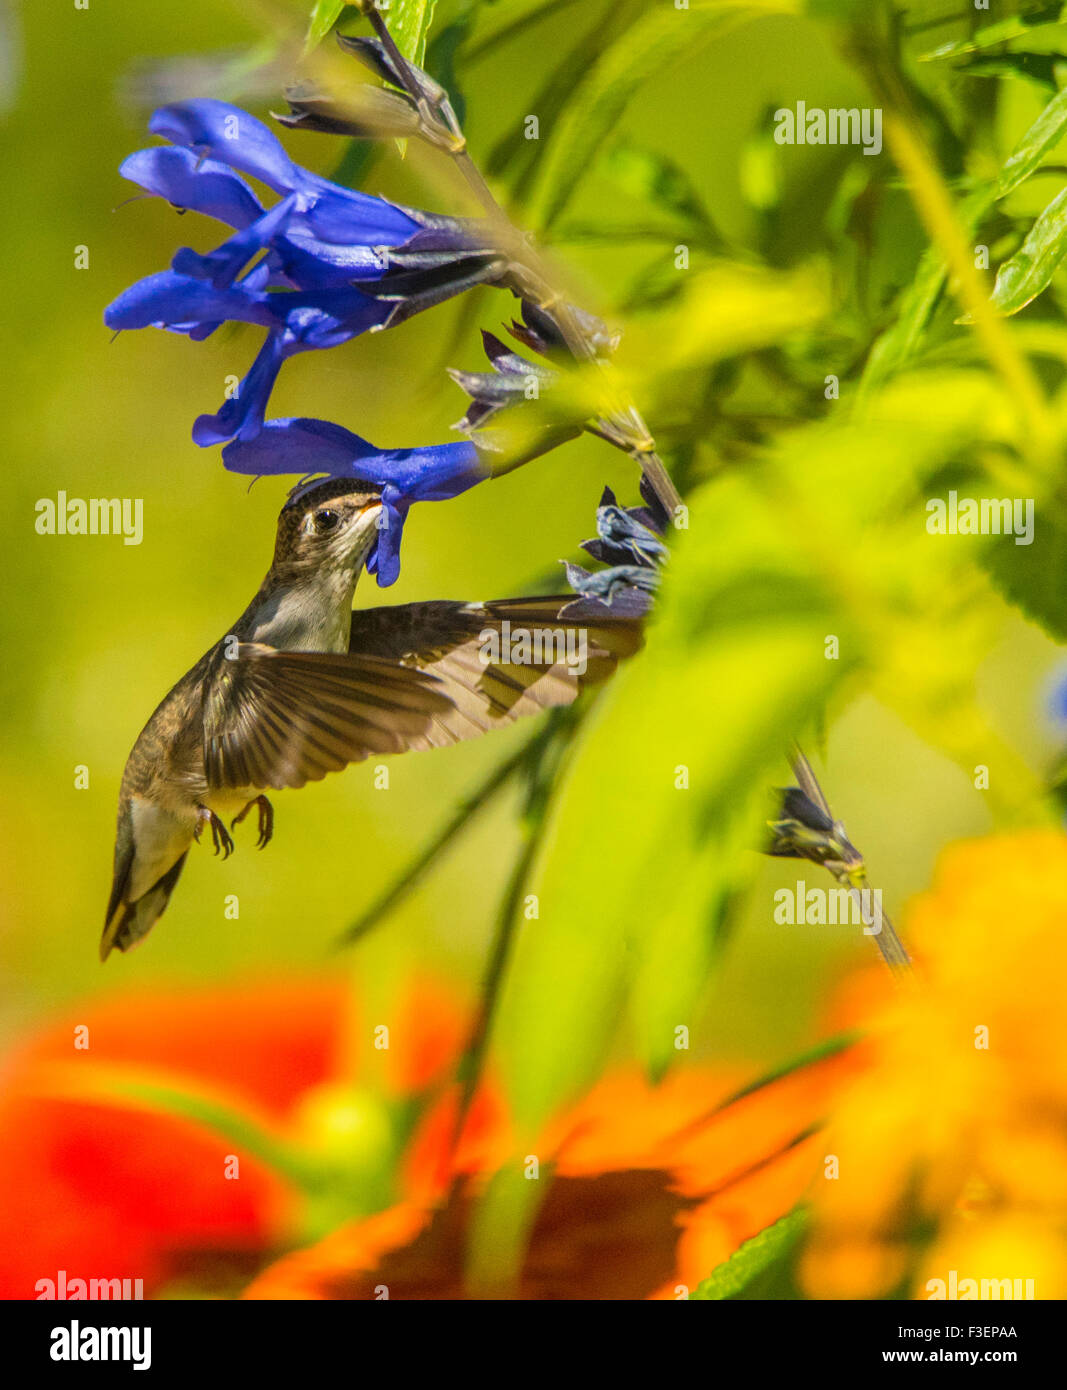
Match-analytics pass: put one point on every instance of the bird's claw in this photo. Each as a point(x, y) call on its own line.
point(220, 836)
point(266, 819)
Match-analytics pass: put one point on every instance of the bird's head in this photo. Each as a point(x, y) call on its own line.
point(327, 527)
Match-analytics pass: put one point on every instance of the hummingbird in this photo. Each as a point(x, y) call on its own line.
point(301, 685)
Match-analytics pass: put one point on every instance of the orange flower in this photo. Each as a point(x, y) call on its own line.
point(651, 1188)
point(959, 1131)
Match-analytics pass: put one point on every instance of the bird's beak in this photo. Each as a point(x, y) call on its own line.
point(367, 529)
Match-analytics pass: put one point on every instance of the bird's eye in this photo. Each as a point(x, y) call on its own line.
point(326, 519)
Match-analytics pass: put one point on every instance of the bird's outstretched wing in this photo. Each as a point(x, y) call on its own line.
point(504, 659)
point(419, 675)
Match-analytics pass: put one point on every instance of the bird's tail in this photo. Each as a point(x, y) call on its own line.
point(128, 922)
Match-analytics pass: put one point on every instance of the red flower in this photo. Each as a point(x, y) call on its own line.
point(98, 1182)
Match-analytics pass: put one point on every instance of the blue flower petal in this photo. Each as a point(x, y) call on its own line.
point(428, 473)
point(197, 185)
point(325, 318)
point(384, 559)
point(345, 216)
point(312, 263)
point(230, 135)
point(242, 415)
point(226, 262)
point(168, 300)
point(304, 446)
point(299, 445)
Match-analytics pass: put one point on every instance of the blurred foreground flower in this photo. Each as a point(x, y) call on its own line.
point(188, 1139)
point(952, 1149)
point(648, 1189)
point(182, 1137)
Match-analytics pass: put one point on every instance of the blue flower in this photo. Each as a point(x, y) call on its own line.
point(297, 322)
point(322, 265)
point(319, 234)
point(431, 473)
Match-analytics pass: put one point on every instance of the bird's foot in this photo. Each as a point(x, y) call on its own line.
point(220, 836)
point(266, 819)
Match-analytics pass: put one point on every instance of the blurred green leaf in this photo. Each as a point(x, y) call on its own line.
point(1045, 133)
point(658, 39)
point(673, 960)
point(727, 309)
point(513, 152)
point(1003, 31)
point(512, 25)
point(1042, 69)
point(441, 55)
point(765, 1258)
point(902, 341)
point(1035, 576)
point(323, 17)
point(660, 181)
point(656, 809)
point(500, 1229)
point(1022, 278)
point(660, 818)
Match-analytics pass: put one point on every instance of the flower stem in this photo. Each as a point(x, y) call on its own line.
point(852, 874)
point(535, 277)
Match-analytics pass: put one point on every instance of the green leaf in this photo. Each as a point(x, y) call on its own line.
point(1022, 278)
point(757, 1261)
point(659, 38)
point(513, 152)
point(1042, 69)
point(1003, 31)
point(1045, 132)
point(409, 23)
point(660, 814)
point(512, 26)
point(660, 181)
point(1035, 576)
point(323, 17)
point(902, 342)
point(672, 962)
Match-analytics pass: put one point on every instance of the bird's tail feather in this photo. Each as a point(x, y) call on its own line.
point(129, 922)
